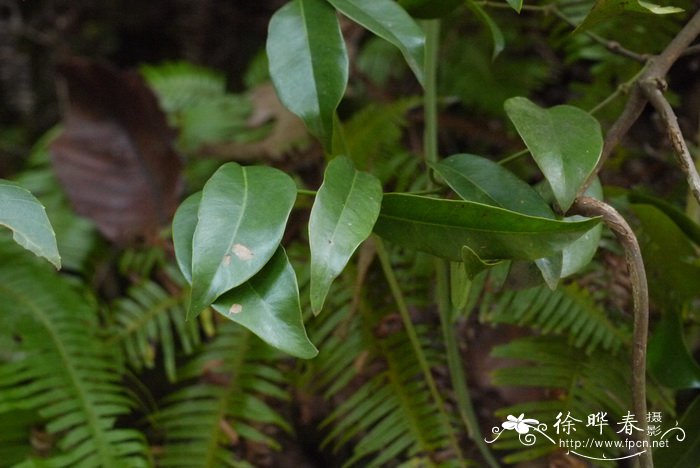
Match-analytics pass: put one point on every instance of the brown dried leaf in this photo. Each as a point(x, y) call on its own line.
point(115, 158)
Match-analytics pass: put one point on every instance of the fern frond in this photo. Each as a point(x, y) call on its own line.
point(385, 411)
point(60, 367)
point(150, 316)
point(204, 422)
point(584, 384)
point(180, 85)
point(197, 103)
point(376, 130)
point(567, 310)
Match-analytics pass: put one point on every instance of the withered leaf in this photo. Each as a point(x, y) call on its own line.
point(115, 158)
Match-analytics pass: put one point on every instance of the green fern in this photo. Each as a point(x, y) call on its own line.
point(386, 411)
point(58, 365)
point(196, 102)
point(567, 310)
point(224, 404)
point(150, 316)
point(585, 384)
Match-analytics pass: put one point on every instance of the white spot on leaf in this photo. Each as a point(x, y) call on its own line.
point(235, 309)
point(227, 260)
point(242, 252)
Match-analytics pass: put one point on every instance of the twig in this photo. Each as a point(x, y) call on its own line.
point(633, 257)
point(647, 85)
point(685, 160)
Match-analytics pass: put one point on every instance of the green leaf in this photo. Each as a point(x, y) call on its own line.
point(565, 141)
point(669, 358)
point(184, 224)
point(443, 227)
point(22, 213)
point(240, 222)
point(499, 42)
point(682, 453)
point(429, 9)
point(388, 20)
point(343, 214)
point(308, 63)
point(481, 180)
point(268, 305)
point(473, 264)
point(673, 276)
point(604, 10)
point(580, 253)
point(689, 227)
point(516, 5)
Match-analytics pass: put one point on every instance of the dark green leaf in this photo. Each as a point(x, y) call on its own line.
point(22, 213)
point(308, 63)
point(668, 356)
point(388, 20)
point(689, 227)
point(344, 212)
point(481, 180)
point(241, 219)
point(473, 264)
point(429, 9)
point(565, 141)
point(268, 305)
point(668, 257)
point(443, 227)
point(604, 10)
point(686, 452)
point(499, 42)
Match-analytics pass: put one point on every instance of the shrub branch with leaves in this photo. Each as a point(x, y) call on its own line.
point(209, 345)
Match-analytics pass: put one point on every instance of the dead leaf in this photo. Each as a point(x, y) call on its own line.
point(115, 158)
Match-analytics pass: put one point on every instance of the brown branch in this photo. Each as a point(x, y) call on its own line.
point(685, 160)
point(653, 74)
point(633, 257)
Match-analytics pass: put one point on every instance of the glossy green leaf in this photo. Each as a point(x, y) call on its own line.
point(240, 222)
point(565, 141)
point(682, 453)
point(184, 224)
point(672, 273)
point(604, 10)
point(669, 359)
point(388, 20)
point(343, 214)
point(268, 305)
point(579, 254)
point(499, 42)
point(443, 227)
point(26, 217)
point(481, 180)
point(308, 63)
